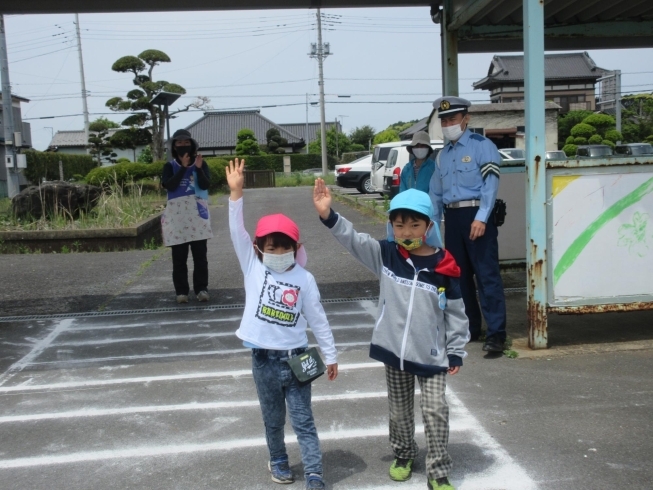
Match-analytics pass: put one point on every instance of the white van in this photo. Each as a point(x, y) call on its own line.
point(379, 159)
point(397, 160)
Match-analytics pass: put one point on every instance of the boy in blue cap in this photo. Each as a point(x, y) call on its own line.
point(421, 327)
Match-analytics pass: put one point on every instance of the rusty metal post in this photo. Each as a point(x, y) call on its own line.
point(535, 173)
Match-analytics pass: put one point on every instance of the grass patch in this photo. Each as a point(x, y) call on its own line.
point(511, 354)
point(117, 207)
point(298, 179)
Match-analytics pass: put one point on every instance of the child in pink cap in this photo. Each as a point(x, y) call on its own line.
point(281, 299)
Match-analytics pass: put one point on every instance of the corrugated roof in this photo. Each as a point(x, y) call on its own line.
point(220, 129)
point(567, 66)
point(313, 129)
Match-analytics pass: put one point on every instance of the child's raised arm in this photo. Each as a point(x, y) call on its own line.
point(322, 198)
point(235, 178)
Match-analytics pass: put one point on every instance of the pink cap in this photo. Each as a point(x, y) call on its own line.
point(277, 223)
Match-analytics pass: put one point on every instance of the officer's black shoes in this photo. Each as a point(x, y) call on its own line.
point(493, 345)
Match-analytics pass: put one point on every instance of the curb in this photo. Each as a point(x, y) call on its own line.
point(521, 346)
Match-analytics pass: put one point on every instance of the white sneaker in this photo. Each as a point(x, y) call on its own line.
point(203, 296)
point(182, 298)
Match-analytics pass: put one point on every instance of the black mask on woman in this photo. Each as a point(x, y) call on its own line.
point(182, 150)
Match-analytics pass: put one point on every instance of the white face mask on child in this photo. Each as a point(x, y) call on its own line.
point(278, 262)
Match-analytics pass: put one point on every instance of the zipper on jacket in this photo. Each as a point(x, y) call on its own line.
point(378, 322)
point(410, 314)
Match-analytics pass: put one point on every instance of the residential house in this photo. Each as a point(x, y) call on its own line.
point(570, 80)
point(314, 129)
point(503, 123)
point(217, 131)
point(19, 126)
point(74, 143)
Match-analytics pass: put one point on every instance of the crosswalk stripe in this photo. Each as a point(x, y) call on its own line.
point(152, 379)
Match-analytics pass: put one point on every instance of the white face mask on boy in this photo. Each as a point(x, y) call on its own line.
point(278, 262)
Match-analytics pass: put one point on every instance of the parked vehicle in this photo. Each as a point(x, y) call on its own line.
point(317, 172)
point(516, 153)
point(634, 149)
point(356, 174)
point(397, 160)
point(556, 155)
point(379, 159)
point(593, 151)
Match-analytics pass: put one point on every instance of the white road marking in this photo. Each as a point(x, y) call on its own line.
point(503, 474)
point(71, 385)
point(155, 338)
point(36, 351)
point(103, 412)
point(93, 360)
point(108, 326)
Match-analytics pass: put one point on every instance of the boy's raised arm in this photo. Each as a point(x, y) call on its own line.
point(239, 236)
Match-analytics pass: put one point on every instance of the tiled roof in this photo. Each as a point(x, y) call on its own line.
point(313, 129)
point(421, 125)
point(566, 66)
point(219, 129)
point(73, 138)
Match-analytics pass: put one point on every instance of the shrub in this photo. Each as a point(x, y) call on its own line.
point(569, 140)
point(298, 161)
point(354, 147)
point(217, 173)
point(120, 172)
point(595, 140)
point(582, 130)
point(602, 122)
point(613, 135)
point(123, 160)
point(579, 140)
point(649, 139)
point(609, 143)
point(570, 150)
point(42, 165)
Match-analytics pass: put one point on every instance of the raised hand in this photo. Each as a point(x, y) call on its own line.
point(198, 161)
point(322, 198)
point(235, 178)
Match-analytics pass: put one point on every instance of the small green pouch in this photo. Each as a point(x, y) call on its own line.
point(307, 366)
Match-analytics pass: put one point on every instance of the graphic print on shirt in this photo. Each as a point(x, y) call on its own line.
point(277, 302)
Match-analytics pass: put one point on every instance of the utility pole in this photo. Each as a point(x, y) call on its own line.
point(321, 51)
point(306, 139)
point(81, 73)
point(337, 150)
point(8, 117)
point(617, 98)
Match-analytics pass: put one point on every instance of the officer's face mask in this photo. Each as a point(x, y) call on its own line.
point(453, 133)
point(420, 153)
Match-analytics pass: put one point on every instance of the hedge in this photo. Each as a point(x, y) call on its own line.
point(570, 150)
point(126, 172)
point(298, 161)
point(42, 165)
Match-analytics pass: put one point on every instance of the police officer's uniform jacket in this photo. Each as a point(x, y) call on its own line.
point(466, 171)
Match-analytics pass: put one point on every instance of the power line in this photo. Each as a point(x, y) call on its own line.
point(39, 55)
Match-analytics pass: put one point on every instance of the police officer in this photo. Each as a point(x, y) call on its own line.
point(464, 187)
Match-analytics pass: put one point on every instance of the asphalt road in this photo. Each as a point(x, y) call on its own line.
point(165, 400)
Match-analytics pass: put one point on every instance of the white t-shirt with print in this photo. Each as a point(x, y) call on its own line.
point(278, 306)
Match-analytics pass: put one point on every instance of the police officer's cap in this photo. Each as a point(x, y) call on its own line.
point(451, 105)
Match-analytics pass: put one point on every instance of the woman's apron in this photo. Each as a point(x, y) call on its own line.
point(186, 217)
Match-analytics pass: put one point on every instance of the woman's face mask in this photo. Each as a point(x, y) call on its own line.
point(420, 153)
point(182, 150)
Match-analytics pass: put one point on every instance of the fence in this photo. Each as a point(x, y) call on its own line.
point(259, 178)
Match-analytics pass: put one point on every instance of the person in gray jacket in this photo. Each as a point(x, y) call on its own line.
point(421, 327)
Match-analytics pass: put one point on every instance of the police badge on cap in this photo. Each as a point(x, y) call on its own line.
point(450, 105)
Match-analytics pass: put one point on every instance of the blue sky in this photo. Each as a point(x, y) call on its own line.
point(386, 59)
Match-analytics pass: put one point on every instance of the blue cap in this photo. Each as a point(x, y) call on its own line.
point(419, 202)
point(451, 105)
point(414, 200)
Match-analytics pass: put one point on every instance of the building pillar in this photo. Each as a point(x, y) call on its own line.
point(449, 47)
